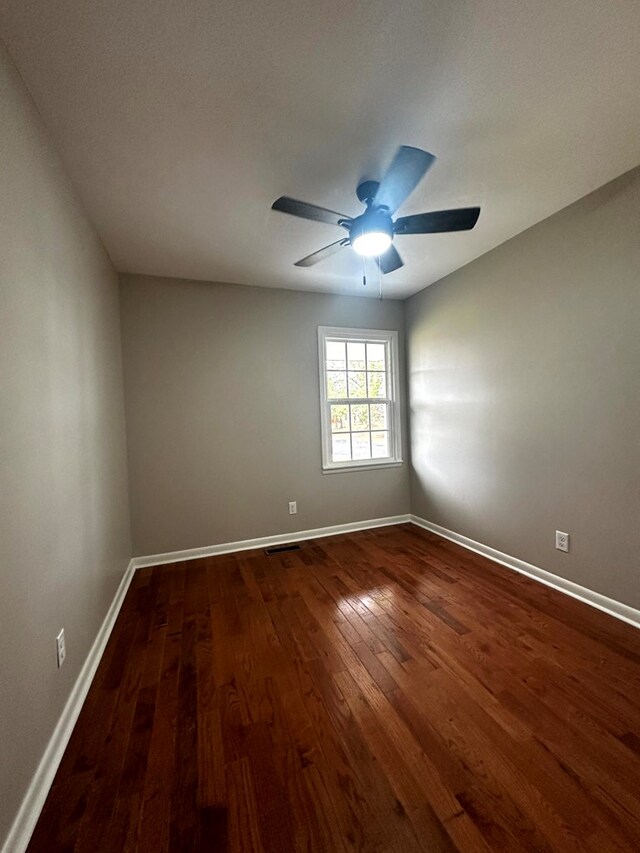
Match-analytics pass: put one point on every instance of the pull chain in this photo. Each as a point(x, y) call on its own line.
point(379, 278)
point(364, 273)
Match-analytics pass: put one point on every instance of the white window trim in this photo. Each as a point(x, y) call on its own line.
point(390, 338)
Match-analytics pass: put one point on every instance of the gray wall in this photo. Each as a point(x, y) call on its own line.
point(64, 524)
point(524, 378)
point(223, 415)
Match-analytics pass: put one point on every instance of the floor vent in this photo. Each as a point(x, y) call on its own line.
point(278, 549)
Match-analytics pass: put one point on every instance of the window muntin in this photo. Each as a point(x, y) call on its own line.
point(360, 410)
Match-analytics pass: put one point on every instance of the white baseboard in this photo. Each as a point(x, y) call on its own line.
point(588, 596)
point(29, 812)
point(266, 541)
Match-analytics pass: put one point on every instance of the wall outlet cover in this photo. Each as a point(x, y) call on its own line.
point(61, 648)
point(562, 541)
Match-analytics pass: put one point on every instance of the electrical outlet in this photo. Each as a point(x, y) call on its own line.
point(61, 648)
point(293, 507)
point(562, 541)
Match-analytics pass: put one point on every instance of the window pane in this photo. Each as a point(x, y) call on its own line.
point(355, 353)
point(336, 359)
point(358, 409)
point(377, 385)
point(358, 385)
point(379, 416)
point(336, 385)
point(361, 445)
point(360, 418)
point(340, 448)
point(339, 418)
point(379, 444)
point(376, 357)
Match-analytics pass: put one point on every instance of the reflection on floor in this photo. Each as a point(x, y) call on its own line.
point(383, 690)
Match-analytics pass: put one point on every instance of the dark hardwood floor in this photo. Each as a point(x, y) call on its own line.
point(379, 691)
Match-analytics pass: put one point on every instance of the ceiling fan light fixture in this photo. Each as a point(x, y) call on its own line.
point(371, 234)
point(372, 243)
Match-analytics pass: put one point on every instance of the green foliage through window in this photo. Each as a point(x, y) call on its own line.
point(358, 370)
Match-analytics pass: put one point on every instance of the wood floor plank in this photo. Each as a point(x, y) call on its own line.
point(153, 831)
point(106, 778)
point(384, 690)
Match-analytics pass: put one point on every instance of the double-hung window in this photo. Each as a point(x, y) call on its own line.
point(360, 407)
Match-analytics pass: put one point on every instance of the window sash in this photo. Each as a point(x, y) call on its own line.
point(390, 400)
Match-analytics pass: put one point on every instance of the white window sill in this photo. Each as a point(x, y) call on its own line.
point(344, 469)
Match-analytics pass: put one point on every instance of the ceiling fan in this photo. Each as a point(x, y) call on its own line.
point(371, 234)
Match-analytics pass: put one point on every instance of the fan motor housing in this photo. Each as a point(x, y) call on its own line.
point(371, 220)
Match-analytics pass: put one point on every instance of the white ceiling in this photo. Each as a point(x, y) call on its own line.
point(181, 121)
